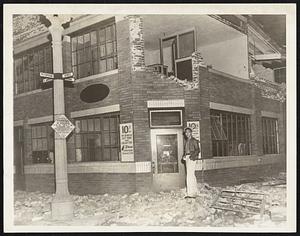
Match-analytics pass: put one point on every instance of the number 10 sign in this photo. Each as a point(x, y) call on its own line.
point(126, 140)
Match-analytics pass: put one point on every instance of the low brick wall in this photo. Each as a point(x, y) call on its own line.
point(92, 183)
point(232, 176)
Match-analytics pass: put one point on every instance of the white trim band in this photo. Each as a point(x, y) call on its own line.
point(165, 103)
point(270, 114)
point(93, 167)
point(41, 119)
point(95, 111)
point(230, 108)
point(18, 123)
point(238, 161)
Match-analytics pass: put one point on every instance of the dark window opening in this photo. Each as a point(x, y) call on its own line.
point(280, 75)
point(27, 68)
point(42, 140)
point(270, 135)
point(97, 138)
point(230, 133)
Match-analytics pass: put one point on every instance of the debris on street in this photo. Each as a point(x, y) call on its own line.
point(155, 209)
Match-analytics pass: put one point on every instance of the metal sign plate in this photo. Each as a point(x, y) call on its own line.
point(62, 126)
point(66, 75)
point(47, 75)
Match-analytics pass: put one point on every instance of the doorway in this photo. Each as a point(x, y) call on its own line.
point(167, 151)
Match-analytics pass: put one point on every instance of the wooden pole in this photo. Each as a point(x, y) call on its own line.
point(62, 204)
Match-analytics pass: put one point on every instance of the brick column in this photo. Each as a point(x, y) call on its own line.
point(256, 123)
point(27, 143)
point(205, 127)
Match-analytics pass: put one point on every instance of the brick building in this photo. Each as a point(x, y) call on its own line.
point(139, 81)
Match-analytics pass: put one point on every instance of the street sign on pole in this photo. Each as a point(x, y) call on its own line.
point(66, 75)
point(47, 80)
point(72, 79)
point(47, 75)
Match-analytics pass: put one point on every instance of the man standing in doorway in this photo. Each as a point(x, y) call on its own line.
point(191, 152)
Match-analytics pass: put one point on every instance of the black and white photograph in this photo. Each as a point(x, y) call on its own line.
point(155, 117)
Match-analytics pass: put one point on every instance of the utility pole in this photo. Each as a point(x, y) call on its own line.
point(62, 203)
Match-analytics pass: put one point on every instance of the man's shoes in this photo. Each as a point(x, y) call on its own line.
point(190, 197)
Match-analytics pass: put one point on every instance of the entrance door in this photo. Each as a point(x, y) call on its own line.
point(167, 150)
point(19, 180)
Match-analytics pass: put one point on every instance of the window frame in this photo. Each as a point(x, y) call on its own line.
point(49, 139)
point(176, 35)
point(236, 130)
point(43, 64)
point(94, 63)
point(267, 137)
point(101, 134)
point(165, 126)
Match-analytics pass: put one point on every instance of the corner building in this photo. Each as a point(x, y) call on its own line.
point(139, 81)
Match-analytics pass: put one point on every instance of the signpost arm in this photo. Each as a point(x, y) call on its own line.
point(62, 204)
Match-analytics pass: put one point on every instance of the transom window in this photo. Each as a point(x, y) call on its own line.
point(27, 68)
point(97, 138)
point(230, 132)
point(94, 51)
point(270, 135)
point(42, 140)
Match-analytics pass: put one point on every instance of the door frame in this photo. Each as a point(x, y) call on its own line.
point(167, 181)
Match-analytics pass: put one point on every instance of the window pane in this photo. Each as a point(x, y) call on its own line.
point(186, 44)
point(74, 44)
point(102, 51)
point(113, 139)
point(93, 38)
point(97, 124)
point(80, 56)
point(83, 125)
point(36, 58)
point(87, 41)
point(48, 60)
point(110, 64)
point(38, 132)
point(74, 58)
point(112, 124)
point(109, 49)
point(91, 125)
point(80, 42)
point(109, 33)
point(106, 139)
point(95, 67)
point(78, 140)
point(102, 36)
point(44, 144)
point(102, 66)
point(34, 145)
point(94, 53)
point(106, 124)
point(114, 154)
point(43, 131)
point(33, 132)
point(106, 154)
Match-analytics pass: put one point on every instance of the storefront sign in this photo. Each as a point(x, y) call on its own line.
point(195, 126)
point(126, 136)
point(62, 126)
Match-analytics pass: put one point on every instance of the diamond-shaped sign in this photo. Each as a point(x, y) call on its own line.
point(62, 126)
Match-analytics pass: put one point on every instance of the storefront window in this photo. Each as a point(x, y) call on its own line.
point(231, 133)
point(94, 51)
point(270, 135)
point(42, 139)
point(97, 138)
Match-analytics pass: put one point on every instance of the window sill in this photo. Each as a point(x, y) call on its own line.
point(30, 93)
point(96, 76)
